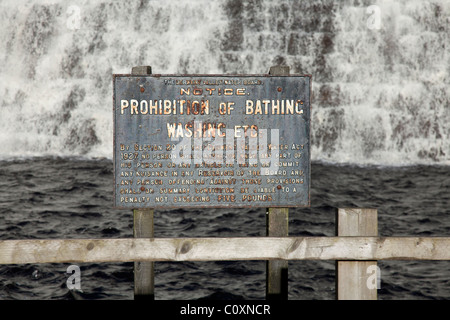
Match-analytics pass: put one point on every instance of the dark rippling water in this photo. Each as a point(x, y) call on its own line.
point(45, 198)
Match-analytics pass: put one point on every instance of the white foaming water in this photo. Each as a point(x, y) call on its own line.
point(380, 96)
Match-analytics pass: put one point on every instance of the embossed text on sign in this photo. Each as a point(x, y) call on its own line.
point(198, 141)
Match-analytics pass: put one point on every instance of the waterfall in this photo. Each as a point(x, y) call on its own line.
point(380, 69)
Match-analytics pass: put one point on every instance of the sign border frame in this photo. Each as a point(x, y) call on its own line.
point(184, 207)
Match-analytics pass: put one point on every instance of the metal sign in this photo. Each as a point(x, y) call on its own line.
point(198, 141)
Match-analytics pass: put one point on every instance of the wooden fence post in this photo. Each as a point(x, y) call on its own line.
point(144, 276)
point(277, 225)
point(352, 276)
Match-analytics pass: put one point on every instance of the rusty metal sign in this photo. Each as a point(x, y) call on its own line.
point(211, 141)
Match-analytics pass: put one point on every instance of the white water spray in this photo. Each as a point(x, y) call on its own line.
point(380, 77)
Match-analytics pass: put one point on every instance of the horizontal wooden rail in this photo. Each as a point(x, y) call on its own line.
point(220, 249)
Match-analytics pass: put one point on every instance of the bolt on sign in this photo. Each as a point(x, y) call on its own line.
point(211, 141)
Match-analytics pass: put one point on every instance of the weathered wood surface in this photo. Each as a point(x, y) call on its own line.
point(277, 270)
point(352, 276)
point(277, 225)
point(141, 70)
point(144, 273)
point(221, 249)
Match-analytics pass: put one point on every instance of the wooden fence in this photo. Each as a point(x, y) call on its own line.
point(355, 247)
